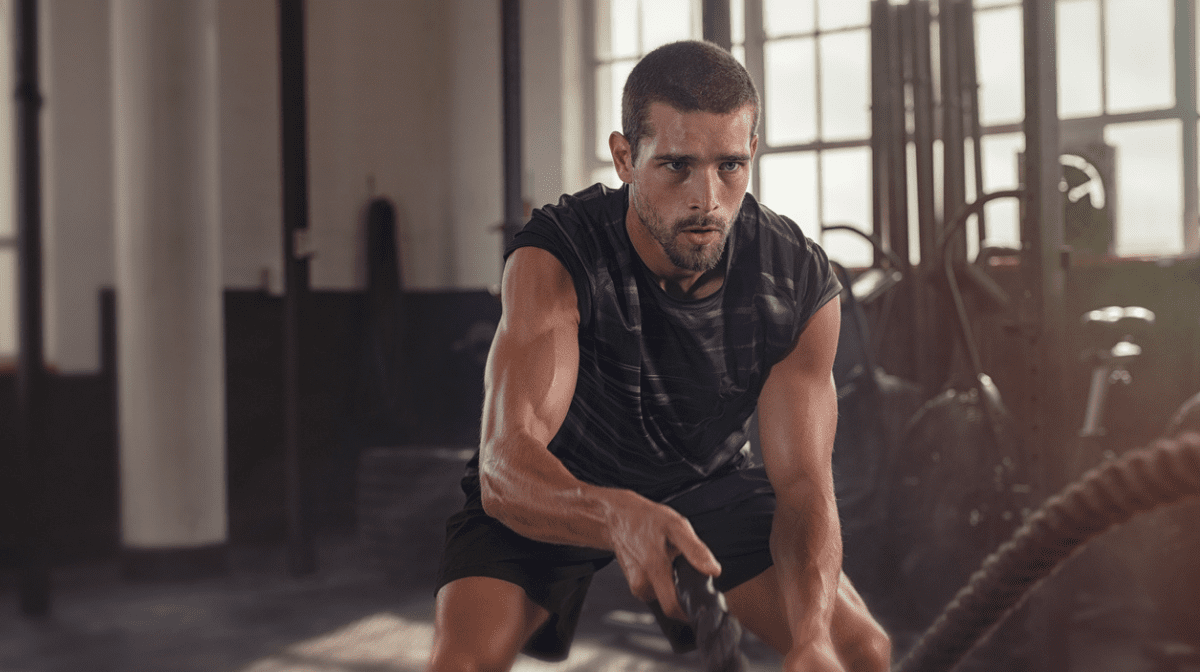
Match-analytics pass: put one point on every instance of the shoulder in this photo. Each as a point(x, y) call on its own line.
point(768, 226)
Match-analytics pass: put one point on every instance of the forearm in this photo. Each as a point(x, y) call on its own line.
point(533, 494)
point(807, 548)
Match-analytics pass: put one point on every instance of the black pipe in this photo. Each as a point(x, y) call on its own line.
point(715, 18)
point(301, 555)
point(31, 373)
point(510, 47)
point(968, 62)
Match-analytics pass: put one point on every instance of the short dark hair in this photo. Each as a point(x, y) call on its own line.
point(689, 76)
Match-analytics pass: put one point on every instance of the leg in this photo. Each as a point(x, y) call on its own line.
point(860, 641)
point(481, 625)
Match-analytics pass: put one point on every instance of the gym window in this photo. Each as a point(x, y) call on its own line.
point(1127, 100)
point(8, 233)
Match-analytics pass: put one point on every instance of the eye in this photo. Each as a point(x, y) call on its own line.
point(675, 166)
point(731, 166)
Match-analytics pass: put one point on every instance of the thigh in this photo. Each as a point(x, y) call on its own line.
point(481, 624)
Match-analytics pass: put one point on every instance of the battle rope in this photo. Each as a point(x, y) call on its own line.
point(1163, 473)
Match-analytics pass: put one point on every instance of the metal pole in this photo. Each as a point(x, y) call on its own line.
point(899, 234)
point(882, 145)
point(953, 164)
point(970, 78)
point(1185, 97)
point(1043, 298)
point(716, 20)
point(930, 322)
point(31, 373)
point(301, 555)
point(510, 47)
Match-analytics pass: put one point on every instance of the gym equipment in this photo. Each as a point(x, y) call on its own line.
point(955, 490)
point(717, 632)
point(873, 407)
point(1164, 473)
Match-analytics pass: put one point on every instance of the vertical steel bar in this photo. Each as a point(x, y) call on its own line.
point(929, 318)
point(34, 590)
point(953, 164)
point(716, 22)
point(756, 65)
point(881, 127)
point(1185, 100)
point(899, 76)
point(510, 47)
point(968, 64)
point(1043, 296)
point(293, 123)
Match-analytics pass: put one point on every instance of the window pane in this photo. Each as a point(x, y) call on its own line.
point(606, 175)
point(737, 21)
point(843, 13)
point(1000, 171)
point(665, 21)
point(788, 17)
point(610, 80)
point(7, 157)
point(1140, 39)
point(995, 3)
point(8, 302)
point(790, 114)
point(1149, 187)
point(846, 183)
point(616, 28)
point(914, 210)
point(845, 86)
point(1001, 94)
point(788, 183)
point(1079, 58)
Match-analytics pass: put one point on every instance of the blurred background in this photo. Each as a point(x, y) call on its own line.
point(249, 252)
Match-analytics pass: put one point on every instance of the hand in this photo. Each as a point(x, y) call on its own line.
point(646, 537)
point(816, 657)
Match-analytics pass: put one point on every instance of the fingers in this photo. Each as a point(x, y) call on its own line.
point(684, 539)
point(664, 590)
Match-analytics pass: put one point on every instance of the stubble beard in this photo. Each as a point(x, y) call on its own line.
point(698, 258)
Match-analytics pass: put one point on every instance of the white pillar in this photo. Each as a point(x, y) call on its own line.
point(170, 334)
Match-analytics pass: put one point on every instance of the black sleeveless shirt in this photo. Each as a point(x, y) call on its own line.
point(666, 387)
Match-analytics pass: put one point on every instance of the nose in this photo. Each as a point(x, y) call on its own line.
point(704, 193)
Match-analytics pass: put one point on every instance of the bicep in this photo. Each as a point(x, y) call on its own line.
point(798, 406)
point(531, 371)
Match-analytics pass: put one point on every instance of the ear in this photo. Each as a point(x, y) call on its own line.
point(622, 156)
point(753, 145)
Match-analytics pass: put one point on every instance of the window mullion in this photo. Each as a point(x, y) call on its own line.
point(755, 41)
point(1185, 102)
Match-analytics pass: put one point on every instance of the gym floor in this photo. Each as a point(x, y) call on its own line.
point(348, 617)
point(351, 616)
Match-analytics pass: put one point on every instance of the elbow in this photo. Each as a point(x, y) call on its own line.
point(491, 497)
point(488, 495)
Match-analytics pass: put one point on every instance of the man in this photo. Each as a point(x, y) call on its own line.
point(641, 328)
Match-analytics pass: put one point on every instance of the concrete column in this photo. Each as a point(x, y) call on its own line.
point(169, 312)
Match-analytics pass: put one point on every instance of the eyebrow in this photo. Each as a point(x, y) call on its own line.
point(689, 158)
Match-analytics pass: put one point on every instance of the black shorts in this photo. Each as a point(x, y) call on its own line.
point(731, 514)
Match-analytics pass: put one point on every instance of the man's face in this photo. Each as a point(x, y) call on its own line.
point(689, 181)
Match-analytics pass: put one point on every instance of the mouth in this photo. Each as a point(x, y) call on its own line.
point(702, 235)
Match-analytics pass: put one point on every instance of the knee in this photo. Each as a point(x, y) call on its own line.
point(452, 659)
point(872, 652)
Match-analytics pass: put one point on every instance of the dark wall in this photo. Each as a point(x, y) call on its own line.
point(433, 369)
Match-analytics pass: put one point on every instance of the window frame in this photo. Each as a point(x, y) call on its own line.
point(1185, 109)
